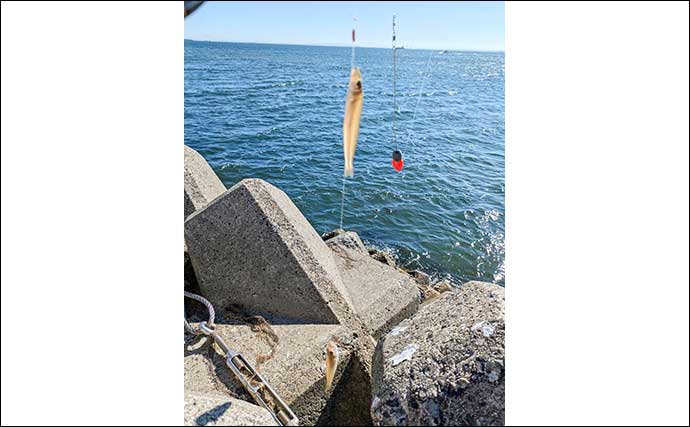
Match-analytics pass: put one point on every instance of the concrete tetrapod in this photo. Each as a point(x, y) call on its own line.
point(280, 299)
point(381, 295)
point(201, 184)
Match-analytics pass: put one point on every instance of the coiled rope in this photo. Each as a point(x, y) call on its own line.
point(211, 313)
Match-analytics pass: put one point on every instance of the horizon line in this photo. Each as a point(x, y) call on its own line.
point(344, 45)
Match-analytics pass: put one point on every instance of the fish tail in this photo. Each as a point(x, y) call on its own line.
point(330, 371)
point(349, 171)
point(329, 382)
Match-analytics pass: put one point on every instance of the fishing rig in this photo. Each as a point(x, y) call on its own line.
point(397, 161)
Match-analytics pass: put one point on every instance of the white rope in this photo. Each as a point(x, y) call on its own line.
point(211, 313)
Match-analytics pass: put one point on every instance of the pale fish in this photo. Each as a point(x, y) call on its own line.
point(331, 363)
point(353, 113)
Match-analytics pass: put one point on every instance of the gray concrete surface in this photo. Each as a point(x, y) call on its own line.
point(382, 296)
point(201, 184)
point(295, 368)
point(218, 410)
point(253, 248)
point(445, 365)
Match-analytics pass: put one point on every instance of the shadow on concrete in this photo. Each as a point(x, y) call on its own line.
point(345, 405)
point(201, 345)
point(212, 415)
point(234, 314)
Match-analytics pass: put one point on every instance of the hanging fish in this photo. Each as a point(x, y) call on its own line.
point(331, 363)
point(397, 160)
point(353, 113)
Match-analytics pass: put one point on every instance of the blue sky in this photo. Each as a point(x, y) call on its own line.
point(422, 25)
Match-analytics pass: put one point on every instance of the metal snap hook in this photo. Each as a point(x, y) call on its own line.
point(206, 329)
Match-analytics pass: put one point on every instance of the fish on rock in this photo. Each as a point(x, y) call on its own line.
point(353, 113)
point(331, 363)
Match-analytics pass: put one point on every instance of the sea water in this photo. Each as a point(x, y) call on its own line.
point(276, 112)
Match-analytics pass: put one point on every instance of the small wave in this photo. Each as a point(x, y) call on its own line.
point(492, 214)
point(500, 274)
point(276, 84)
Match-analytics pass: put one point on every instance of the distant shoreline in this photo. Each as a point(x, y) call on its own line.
point(342, 46)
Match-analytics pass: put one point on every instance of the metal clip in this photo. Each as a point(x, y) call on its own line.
point(255, 385)
point(253, 382)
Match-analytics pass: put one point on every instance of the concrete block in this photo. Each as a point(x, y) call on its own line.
point(217, 410)
point(293, 362)
point(252, 248)
point(445, 365)
point(381, 295)
point(201, 184)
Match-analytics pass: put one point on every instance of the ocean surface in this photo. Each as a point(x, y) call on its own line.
point(276, 111)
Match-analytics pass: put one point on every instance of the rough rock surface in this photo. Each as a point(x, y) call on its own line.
point(427, 293)
point(201, 184)
point(421, 277)
point(382, 256)
point(251, 247)
point(445, 365)
point(211, 410)
point(443, 286)
point(381, 295)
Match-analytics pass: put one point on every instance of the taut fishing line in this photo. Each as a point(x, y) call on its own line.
point(395, 95)
point(419, 97)
point(342, 203)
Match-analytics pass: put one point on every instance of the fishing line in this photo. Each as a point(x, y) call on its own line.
point(352, 60)
point(342, 203)
point(395, 96)
point(419, 97)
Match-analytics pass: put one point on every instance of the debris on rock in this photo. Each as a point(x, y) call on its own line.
point(421, 277)
point(382, 256)
point(443, 286)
